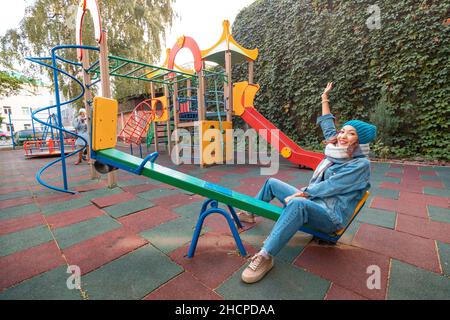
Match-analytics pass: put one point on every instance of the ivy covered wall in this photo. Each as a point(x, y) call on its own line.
point(390, 66)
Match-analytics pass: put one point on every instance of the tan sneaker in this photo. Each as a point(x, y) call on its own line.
point(257, 268)
point(246, 217)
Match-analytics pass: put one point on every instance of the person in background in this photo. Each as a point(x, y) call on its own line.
point(80, 125)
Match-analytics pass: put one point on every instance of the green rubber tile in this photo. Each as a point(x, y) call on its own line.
point(18, 211)
point(377, 217)
point(439, 214)
point(445, 177)
point(444, 253)
point(190, 211)
point(376, 180)
point(426, 168)
point(62, 206)
point(430, 178)
point(437, 192)
point(157, 193)
point(43, 193)
point(84, 230)
point(385, 193)
point(24, 239)
point(406, 282)
point(98, 193)
point(351, 231)
point(132, 276)
point(21, 183)
point(172, 235)
point(126, 208)
point(283, 282)
point(442, 171)
point(257, 234)
point(51, 285)
point(13, 195)
point(385, 167)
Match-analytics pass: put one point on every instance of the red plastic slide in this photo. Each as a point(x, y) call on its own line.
point(288, 148)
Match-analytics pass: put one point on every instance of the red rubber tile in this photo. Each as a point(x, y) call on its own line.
point(424, 228)
point(21, 223)
point(409, 208)
point(69, 217)
point(183, 287)
point(337, 292)
point(217, 223)
point(78, 178)
point(346, 266)
point(246, 190)
point(173, 201)
point(147, 219)
point(252, 182)
point(15, 179)
point(212, 178)
point(95, 252)
point(28, 263)
point(113, 199)
point(408, 248)
point(409, 203)
point(424, 199)
point(215, 260)
point(402, 187)
point(16, 202)
point(140, 188)
point(6, 190)
point(128, 176)
point(411, 180)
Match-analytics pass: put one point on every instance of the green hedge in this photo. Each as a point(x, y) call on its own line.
point(397, 76)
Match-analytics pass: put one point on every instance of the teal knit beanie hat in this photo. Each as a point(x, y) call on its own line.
point(366, 131)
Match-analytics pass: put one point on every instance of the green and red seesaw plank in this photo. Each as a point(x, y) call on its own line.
point(109, 159)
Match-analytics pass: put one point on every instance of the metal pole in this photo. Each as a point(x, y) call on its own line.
point(32, 124)
point(58, 111)
point(11, 129)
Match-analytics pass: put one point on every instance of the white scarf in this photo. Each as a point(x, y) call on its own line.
point(334, 153)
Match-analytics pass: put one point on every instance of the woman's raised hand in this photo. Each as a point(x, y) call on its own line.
point(327, 89)
point(295, 195)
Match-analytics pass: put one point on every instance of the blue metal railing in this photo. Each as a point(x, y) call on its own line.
point(58, 104)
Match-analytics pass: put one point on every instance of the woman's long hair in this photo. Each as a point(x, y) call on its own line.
point(350, 149)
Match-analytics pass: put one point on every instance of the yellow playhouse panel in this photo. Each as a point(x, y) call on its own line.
point(212, 142)
point(249, 95)
point(160, 110)
point(104, 123)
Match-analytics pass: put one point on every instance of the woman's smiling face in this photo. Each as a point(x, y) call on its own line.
point(347, 136)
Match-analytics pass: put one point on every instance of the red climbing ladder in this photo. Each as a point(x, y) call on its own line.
point(138, 123)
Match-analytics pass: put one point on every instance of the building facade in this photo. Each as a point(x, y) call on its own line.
point(27, 100)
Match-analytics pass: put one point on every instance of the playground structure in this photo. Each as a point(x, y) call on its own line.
point(49, 143)
point(103, 127)
point(199, 103)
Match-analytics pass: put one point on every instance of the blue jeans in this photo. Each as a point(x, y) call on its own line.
point(296, 213)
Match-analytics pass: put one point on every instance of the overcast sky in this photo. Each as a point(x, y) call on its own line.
point(200, 19)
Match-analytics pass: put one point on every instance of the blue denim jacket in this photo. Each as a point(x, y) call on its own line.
point(344, 183)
